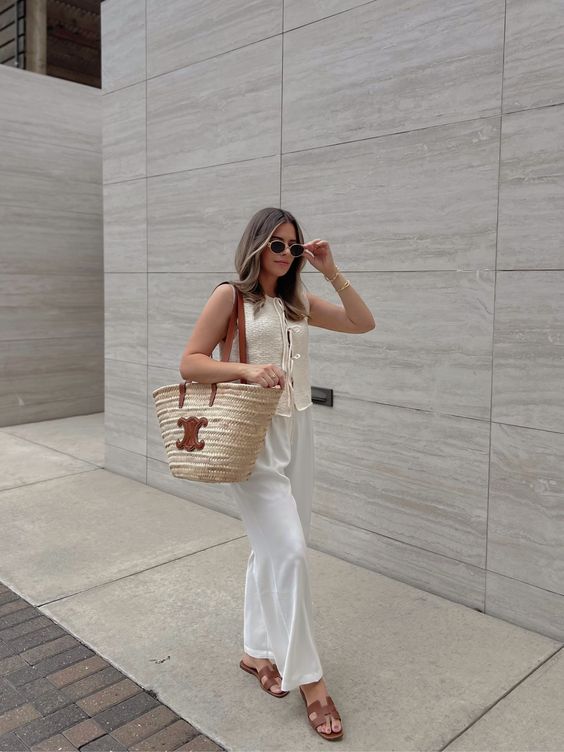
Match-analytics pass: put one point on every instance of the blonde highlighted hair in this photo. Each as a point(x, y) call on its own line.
point(290, 286)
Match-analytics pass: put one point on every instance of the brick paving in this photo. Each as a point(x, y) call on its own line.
point(58, 694)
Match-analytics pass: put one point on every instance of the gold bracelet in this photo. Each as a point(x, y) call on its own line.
point(344, 287)
point(334, 276)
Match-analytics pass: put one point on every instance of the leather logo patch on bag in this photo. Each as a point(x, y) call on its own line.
point(190, 440)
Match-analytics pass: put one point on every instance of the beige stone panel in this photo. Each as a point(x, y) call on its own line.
point(528, 383)
point(175, 302)
point(126, 317)
point(49, 177)
point(196, 217)
point(125, 416)
point(123, 462)
point(124, 134)
point(410, 475)
point(226, 109)
point(50, 241)
point(51, 306)
point(300, 12)
point(526, 507)
point(125, 226)
point(526, 605)
point(182, 32)
point(391, 66)
point(123, 43)
point(424, 200)
point(70, 112)
point(45, 379)
point(534, 47)
point(430, 349)
point(531, 191)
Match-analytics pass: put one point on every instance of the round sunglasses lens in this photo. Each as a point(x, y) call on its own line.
point(277, 246)
point(296, 249)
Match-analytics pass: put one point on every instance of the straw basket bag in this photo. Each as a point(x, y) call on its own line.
point(214, 432)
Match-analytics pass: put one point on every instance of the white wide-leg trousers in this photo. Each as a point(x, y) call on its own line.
point(275, 504)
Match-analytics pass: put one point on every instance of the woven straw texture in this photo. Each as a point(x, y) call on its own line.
point(233, 437)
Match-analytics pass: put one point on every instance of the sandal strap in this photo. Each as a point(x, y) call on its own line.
point(322, 710)
point(271, 674)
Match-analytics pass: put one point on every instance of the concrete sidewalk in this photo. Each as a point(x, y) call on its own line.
point(155, 585)
point(58, 694)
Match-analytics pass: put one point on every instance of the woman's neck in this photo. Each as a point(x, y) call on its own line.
point(268, 286)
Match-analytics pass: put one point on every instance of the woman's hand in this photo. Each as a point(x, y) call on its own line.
point(267, 375)
point(319, 255)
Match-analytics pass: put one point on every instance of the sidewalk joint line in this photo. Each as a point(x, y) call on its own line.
point(46, 480)
point(499, 699)
point(134, 574)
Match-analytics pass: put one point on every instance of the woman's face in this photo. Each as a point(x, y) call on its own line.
point(278, 264)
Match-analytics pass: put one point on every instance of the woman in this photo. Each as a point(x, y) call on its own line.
point(275, 502)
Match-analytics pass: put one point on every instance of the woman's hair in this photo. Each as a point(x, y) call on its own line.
point(247, 263)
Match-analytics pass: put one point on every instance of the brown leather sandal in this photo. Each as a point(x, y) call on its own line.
point(271, 672)
point(319, 719)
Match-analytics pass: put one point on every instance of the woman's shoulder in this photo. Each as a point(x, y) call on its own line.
point(222, 290)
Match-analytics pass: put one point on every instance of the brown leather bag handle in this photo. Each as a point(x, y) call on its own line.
point(237, 316)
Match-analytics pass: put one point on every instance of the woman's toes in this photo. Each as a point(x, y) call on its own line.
point(331, 725)
point(274, 688)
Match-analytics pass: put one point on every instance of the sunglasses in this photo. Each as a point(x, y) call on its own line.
point(278, 246)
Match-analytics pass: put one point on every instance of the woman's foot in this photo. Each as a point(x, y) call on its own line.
point(318, 691)
point(258, 663)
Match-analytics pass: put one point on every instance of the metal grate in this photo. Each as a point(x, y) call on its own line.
point(12, 33)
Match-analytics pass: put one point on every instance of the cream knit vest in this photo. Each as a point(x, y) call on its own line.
point(272, 338)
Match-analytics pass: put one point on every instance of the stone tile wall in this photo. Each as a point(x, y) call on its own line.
point(51, 255)
point(424, 141)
